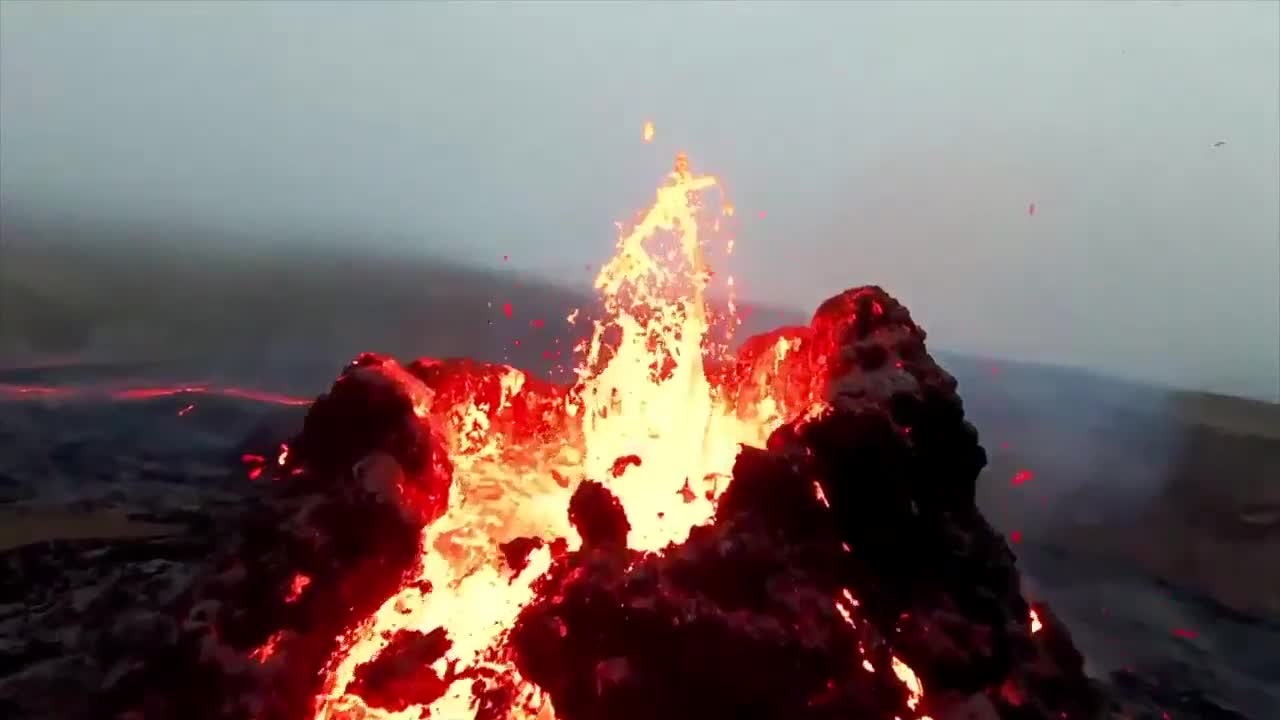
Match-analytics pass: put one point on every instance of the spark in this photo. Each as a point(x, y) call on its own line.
point(299, 583)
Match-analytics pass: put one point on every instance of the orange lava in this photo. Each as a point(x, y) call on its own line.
point(644, 416)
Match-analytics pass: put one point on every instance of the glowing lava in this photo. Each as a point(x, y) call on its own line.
point(641, 391)
point(643, 418)
point(477, 468)
point(647, 394)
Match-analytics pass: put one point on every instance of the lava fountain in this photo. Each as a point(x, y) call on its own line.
point(785, 532)
point(643, 418)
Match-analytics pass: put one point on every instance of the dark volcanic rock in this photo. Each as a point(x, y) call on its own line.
point(872, 497)
point(75, 615)
point(898, 463)
point(334, 536)
point(598, 517)
point(401, 674)
point(377, 408)
point(737, 622)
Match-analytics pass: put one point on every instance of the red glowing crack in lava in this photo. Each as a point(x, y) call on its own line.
point(32, 392)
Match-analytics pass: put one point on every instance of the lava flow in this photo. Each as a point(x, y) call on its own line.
point(787, 533)
point(35, 392)
point(642, 393)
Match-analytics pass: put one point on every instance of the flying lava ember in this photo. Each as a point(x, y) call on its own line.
point(784, 533)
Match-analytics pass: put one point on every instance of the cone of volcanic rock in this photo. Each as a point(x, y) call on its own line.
point(898, 464)
point(847, 572)
point(376, 411)
point(737, 622)
point(332, 540)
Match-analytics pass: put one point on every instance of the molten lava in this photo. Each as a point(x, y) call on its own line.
point(519, 448)
point(788, 532)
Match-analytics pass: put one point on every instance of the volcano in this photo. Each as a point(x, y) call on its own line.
point(785, 532)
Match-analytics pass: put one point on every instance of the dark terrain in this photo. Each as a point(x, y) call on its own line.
point(1145, 516)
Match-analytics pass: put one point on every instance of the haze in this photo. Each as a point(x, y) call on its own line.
point(897, 144)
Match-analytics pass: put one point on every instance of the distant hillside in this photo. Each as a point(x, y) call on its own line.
point(80, 295)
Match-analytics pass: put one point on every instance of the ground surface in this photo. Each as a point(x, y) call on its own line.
point(91, 485)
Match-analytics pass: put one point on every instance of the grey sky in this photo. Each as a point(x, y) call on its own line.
point(899, 144)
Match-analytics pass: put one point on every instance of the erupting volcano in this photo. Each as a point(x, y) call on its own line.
point(643, 417)
point(785, 533)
